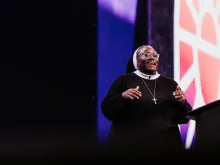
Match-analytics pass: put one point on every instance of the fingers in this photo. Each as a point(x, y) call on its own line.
point(135, 94)
point(130, 97)
point(132, 93)
point(179, 97)
point(179, 94)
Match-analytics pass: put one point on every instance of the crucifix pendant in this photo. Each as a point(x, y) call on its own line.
point(155, 100)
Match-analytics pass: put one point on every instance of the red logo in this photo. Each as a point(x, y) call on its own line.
point(197, 54)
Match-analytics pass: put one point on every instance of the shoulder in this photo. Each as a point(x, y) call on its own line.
point(168, 80)
point(126, 77)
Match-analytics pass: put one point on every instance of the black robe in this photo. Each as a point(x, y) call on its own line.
point(139, 124)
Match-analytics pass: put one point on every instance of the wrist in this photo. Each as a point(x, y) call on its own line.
point(183, 102)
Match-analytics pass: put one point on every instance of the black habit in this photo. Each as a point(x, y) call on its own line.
point(140, 124)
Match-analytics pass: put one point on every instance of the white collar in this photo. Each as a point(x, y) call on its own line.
point(145, 76)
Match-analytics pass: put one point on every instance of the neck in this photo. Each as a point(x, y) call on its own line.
point(149, 72)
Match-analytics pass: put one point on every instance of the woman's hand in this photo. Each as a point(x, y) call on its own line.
point(132, 93)
point(179, 95)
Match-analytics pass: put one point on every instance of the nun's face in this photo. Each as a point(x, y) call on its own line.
point(147, 60)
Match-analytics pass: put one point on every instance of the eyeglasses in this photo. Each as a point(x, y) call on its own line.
point(148, 55)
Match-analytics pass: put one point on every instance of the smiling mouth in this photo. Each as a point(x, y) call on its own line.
point(151, 64)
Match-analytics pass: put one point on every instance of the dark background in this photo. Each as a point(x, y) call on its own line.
point(48, 75)
point(48, 70)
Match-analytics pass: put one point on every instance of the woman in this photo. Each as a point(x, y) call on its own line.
point(145, 107)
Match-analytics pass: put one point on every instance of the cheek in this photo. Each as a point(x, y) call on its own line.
point(157, 63)
point(141, 60)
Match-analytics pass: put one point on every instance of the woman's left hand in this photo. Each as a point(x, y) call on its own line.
point(179, 95)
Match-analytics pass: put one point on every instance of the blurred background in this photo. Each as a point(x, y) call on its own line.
point(59, 58)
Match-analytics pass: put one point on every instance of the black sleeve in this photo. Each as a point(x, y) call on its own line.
point(184, 109)
point(113, 102)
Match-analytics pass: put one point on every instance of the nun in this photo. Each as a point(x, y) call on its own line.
point(145, 108)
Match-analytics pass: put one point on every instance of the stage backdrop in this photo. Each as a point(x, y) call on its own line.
point(115, 45)
point(197, 54)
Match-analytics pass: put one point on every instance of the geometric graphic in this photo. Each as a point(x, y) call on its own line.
point(197, 54)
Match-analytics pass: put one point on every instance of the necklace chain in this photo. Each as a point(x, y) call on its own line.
point(153, 95)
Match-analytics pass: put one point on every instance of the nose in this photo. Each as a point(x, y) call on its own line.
point(151, 58)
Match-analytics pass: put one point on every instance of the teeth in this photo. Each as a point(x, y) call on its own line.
point(151, 63)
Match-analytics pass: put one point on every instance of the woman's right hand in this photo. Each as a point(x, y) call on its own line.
point(132, 93)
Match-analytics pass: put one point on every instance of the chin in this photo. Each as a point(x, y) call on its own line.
point(150, 71)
